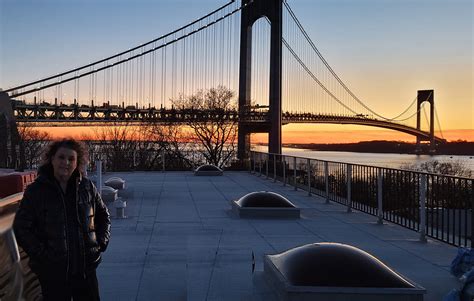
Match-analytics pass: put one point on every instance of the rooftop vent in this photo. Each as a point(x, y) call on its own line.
point(208, 170)
point(264, 199)
point(108, 194)
point(328, 271)
point(115, 182)
point(265, 204)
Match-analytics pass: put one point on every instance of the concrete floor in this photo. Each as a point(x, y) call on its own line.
point(181, 241)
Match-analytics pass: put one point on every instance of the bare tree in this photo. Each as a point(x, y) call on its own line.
point(215, 133)
point(168, 140)
point(117, 145)
point(33, 142)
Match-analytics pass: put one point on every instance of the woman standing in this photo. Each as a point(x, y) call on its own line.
point(63, 224)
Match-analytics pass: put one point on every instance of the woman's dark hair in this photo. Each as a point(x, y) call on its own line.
point(75, 145)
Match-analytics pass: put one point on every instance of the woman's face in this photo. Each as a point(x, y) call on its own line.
point(64, 163)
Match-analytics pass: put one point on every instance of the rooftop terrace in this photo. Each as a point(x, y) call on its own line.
point(182, 242)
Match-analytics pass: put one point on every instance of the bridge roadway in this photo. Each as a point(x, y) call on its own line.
point(181, 241)
point(76, 115)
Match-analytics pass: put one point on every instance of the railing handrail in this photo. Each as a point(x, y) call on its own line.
point(7, 207)
point(14, 198)
point(6, 222)
point(374, 166)
point(26, 284)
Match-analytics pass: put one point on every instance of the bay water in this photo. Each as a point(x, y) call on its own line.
point(391, 160)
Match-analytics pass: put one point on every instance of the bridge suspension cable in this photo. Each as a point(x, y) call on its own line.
point(315, 78)
point(413, 114)
point(59, 77)
point(438, 123)
point(333, 73)
point(396, 118)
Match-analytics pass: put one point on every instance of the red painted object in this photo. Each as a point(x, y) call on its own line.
point(15, 182)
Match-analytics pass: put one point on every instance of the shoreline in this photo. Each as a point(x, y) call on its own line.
point(457, 148)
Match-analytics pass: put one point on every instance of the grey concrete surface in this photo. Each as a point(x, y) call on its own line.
point(181, 240)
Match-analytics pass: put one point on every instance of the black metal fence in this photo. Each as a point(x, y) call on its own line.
point(438, 206)
point(17, 281)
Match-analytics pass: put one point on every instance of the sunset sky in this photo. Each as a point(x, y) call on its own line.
point(384, 50)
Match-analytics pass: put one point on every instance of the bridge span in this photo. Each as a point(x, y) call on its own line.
point(74, 114)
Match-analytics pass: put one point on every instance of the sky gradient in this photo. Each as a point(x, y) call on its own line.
point(384, 50)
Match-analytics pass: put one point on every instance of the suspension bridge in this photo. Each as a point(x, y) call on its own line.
point(258, 49)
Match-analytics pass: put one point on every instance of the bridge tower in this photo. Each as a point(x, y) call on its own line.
point(272, 9)
point(11, 150)
point(428, 96)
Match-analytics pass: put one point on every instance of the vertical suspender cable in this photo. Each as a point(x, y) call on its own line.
point(124, 72)
point(173, 69)
point(222, 53)
point(140, 82)
point(153, 80)
point(183, 65)
point(125, 75)
point(119, 86)
point(229, 51)
point(105, 84)
point(193, 62)
point(147, 79)
point(163, 79)
point(205, 65)
point(111, 88)
point(213, 57)
point(162, 96)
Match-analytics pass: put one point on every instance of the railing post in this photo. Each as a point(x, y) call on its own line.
point(134, 158)
point(294, 172)
point(423, 208)
point(349, 187)
point(254, 162)
point(284, 169)
point(104, 165)
point(250, 163)
point(274, 168)
point(12, 246)
point(326, 179)
point(308, 172)
point(91, 161)
point(163, 160)
point(98, 165)
point(472, 213)
point(379, 197)
point(266, 165)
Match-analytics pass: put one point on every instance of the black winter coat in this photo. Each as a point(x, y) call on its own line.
point(41, 222)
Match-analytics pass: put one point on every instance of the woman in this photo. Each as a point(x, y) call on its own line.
point(63, 224)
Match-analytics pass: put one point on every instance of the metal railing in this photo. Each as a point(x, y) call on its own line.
point(17, 281)
point(438, 206)
point(153, 160)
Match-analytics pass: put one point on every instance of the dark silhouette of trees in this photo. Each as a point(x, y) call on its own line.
point(215, 134)
point(162, 141)
point(145, 146)
point(116, 145)
point(33, 142)
point(455, 168)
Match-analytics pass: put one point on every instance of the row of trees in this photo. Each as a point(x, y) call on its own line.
point(214, 140)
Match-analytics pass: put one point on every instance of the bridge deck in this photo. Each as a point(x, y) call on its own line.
point(181, 242)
